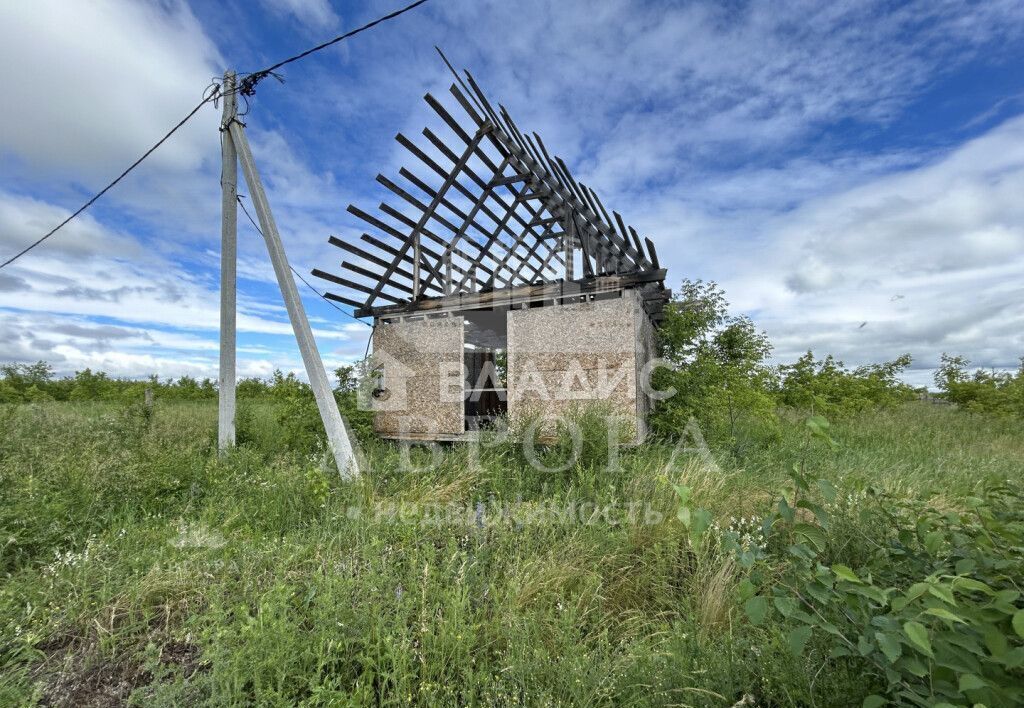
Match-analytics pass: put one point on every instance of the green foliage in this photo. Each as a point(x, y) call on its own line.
point(932, 616)
point(581, 451)
point(984, 391)
point(24, 382)
point(718, 369)
point(829, 388)
point(142, 568)
point(300, 427)
point(695, 520)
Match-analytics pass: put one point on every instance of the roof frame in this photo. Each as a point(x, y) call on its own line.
point(507, 194)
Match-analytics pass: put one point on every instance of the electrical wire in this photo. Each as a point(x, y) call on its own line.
point(297, 274)
point(369, 340)
point(206, 99)
point(246, 87)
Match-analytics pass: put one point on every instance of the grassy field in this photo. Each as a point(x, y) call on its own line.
point(141, 569)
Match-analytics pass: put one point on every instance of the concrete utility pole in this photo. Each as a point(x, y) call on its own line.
point(337, 434)
point(228, 261)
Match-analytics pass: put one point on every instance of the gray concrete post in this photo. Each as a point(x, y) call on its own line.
point(228, 261)
point(337, 434)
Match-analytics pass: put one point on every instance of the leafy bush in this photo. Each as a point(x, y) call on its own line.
point(301, 428)
point(20, 383)
point(984, 391)
point(828, 388)
point(718, 369)
point(932, 617)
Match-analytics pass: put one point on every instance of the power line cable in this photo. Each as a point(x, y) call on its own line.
point(369, 340)
point(246, 87)
point(206, 99)
point(297, 274)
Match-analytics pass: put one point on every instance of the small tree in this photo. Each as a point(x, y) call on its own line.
point(984, 391)
point(718, 368)
point(347, 379)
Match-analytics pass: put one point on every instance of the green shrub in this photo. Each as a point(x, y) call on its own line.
point(828, 388)
point(932, 616)
point(984, 391)
point(718, 368)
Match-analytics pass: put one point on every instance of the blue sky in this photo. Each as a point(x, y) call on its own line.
point(830, 164)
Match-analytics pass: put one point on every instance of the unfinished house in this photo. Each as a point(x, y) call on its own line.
point(499, 286)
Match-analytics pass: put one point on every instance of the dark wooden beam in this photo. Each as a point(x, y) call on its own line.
point(527, 149)
point(351, 284)
point(527, 206)
point(653, 252)
point(537, 189)
point(405, 239)
point(530, 155)
point(545, 221)
point(493, 238)
point(547, 290)
point(391, 282)
point(432, 164)
point(414, 241)
point(429, 191)
point(638, 246)
point(481, 154)
point(505, 181)
point(344, 300)
point(372, 258)
point(477, 206)
point(481, 183)
point(439, 257)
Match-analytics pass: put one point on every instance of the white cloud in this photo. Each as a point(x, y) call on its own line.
point(698, 123)
point(50, 301)
point(24, 219)
point(632, 94)
point(930, 258)
point(315, 14)
point(95, 83)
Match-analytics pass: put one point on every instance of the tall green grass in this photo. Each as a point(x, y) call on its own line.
point(140, 568)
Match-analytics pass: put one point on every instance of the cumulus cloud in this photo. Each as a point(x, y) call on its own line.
point(94, 83)
point(12, 283)
point(929, 257)
point(642, 93)
point(24, 219)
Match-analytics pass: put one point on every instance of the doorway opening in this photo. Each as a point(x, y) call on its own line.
point(485, 356)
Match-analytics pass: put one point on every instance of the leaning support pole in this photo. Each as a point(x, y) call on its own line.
point(337, 435)
point(228, 261)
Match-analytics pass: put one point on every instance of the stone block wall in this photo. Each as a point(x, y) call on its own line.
point(560, 358)
point(422, 367)
point(564, 357)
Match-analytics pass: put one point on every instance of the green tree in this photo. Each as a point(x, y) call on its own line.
point(984, 391)
point(718, 368)
point(17, 379)
point(829, 388)
point(88, 386)
point(348, 381)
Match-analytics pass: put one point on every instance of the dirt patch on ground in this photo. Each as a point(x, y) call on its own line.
point(87, 678)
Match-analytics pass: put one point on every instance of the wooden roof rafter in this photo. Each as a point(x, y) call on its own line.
point(496, 210)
